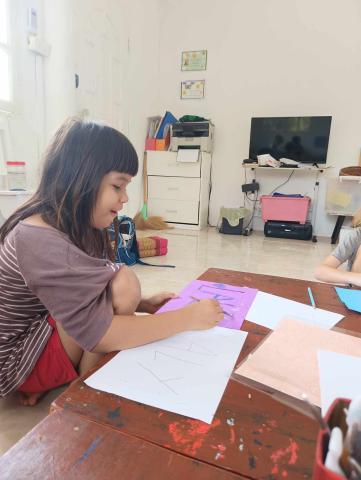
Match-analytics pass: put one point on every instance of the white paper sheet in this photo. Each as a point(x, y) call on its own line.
point(188, 155)
point(268, 310)
point(185, 374)
point(340, 377)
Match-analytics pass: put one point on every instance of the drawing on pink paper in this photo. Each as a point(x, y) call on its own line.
point(235, 301)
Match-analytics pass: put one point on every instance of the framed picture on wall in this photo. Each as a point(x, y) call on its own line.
point(192, 89)
point(194, 60)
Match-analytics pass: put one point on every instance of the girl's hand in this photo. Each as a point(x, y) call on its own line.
point(204, 314)
point(153, 303)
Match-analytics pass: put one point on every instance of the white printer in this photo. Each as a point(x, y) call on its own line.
point(192, 135)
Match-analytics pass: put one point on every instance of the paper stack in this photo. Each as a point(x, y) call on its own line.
point(287, 360)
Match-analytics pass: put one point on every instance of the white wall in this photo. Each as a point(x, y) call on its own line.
point(79, 34)
point(114, 47)
point(142, 81)
point(59, 68)
point(26, 121)
point(266, 58)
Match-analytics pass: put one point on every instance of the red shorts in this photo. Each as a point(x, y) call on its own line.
point(52, 369)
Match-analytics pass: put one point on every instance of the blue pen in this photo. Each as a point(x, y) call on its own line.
point(311, 297)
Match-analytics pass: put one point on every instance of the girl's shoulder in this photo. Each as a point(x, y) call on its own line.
point(46, 242)
point(26, 236)
point(356, 231)
point(352, 238)
point(39, 231)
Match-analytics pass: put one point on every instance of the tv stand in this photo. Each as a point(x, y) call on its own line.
point(315, 168)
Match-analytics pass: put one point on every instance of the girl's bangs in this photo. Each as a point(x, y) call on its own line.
point(123, 157)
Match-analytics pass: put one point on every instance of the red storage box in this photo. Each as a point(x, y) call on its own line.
point(150, 144)
point(287, 209)
point(334, 417)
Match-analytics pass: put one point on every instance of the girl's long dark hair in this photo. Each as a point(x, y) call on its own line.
point(76, 160)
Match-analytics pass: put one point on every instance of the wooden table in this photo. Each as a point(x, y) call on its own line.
point(65, 446)
point(252, 433)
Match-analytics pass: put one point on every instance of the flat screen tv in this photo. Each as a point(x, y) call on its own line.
point(304, 139)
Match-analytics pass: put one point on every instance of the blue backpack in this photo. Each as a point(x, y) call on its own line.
point(127, 247)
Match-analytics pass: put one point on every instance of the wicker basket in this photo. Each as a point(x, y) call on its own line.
point(350, 171)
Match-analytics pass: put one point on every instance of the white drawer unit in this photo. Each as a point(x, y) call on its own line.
point(165, 164)
point(174, 211)
point(178, 192)
point(173, 188)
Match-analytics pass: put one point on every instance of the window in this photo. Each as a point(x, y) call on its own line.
point(5, 55)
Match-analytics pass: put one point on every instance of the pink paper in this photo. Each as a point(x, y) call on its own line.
point(235, 301)
point(287, 359)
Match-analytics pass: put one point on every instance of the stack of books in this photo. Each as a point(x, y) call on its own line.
point(152, 246)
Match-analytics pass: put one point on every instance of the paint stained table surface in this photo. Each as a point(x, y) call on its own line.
point(252, 434)
point(66, 446)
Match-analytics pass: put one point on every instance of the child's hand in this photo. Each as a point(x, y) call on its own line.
point(204, 314)
point(153, 303)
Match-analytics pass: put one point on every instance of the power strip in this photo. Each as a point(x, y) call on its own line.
point(250, 187)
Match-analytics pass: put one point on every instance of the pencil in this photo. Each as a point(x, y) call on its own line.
point(199, 299)
point(311, 297)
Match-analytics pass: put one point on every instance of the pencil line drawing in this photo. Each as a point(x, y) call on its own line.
point(201, 288)
point(194, 348)
point(217, 296)
point(213, 297)
point(175, 358)
point(163, 382)
point(172, 379)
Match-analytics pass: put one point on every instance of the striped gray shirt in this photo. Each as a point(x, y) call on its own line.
point(42, 272)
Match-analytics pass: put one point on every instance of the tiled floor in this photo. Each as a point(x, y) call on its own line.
point(192, 252)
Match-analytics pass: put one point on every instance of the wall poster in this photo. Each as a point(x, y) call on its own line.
point(194, 60)
point(192, 89)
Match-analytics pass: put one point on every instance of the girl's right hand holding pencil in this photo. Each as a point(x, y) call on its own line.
point(204, 314)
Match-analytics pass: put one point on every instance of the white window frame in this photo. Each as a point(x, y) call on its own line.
point(8, 105)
